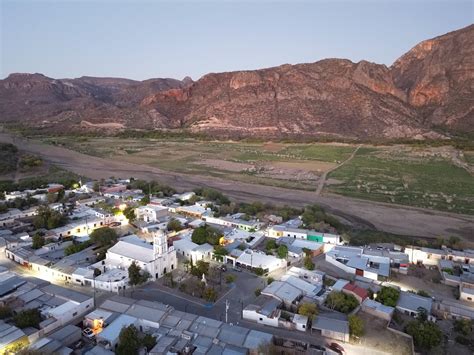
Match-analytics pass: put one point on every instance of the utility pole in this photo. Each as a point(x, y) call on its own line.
point(226, 309)
point(93, 278)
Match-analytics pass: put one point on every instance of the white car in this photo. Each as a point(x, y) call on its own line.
point(88, 333)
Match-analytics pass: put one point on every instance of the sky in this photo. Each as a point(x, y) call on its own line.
point(151, 39)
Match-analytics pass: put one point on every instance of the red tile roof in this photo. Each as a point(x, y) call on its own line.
point(359, 291)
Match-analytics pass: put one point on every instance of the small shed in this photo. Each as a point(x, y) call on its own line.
point(332, 328)
point(301, 322)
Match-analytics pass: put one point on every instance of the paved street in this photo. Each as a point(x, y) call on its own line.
point(241, 294)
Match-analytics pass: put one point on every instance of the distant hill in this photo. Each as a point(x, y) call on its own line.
point(427, 92)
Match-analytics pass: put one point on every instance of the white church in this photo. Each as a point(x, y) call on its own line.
point(157, 259)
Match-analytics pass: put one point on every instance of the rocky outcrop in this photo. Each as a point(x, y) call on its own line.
point(428, 91)
point(437, 76)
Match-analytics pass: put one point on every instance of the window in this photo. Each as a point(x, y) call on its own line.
point(469, 298)
point(74, 314)
point(261, 319)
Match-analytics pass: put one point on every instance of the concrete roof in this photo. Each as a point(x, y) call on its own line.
point(143, 312)
point(233, 335)
point(134, 248)
point(300, 319)
point(339, 285)
point(412, 302)
point(282, 291)
point(378, 306)
point(65, 293)
point(9, 333)
point(334, 325)
point(307, 288)
point(112, 331)
point(255, 338)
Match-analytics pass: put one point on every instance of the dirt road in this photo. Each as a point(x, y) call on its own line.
point(390, 218)
point(322, 179)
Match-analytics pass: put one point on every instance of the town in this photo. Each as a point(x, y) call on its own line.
point(127, 266)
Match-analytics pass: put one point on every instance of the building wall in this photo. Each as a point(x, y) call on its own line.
point(341, 266)
point(335, 335)
point(259, 318)
point(464, 296)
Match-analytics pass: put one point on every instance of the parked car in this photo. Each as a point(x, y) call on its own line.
point(88, 333)
point(337, 348)
point(238, 269)
point(223, 268)
point(115, 224)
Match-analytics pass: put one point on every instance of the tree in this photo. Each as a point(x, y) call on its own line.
point(96, 186)
point(422, 315)
point(209, 294)
point(199, 235)
point(206, 234)
point(308, 309)
point(341, 302)
point(97, 272)
point(426, 335)
point(104, 236)
point(135, 274)
point(463, 326)
point(27, 318)
point(308, 263)
point(145, 200)
point(5, 312)
point(259, 271)
point(201, 267)
point(282, 251)
point(129, 213)
point(229, 279)
point(47, 218)
point(129, 341)
point(174, 225)
point(258, 292)
point(356, 326)
point(270, 280)
point(38, 241)
point(388, 296)
point(271, 245)
point(220, 252)
point(423, 293)
point(148, 341)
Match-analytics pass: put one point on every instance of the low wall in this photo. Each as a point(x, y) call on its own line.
point(404, 335)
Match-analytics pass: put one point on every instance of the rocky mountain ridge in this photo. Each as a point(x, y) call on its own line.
point(427, 92)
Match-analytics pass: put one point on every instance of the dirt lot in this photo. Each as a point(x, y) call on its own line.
point(390, 218)
point(378, 336)
point(420, 278)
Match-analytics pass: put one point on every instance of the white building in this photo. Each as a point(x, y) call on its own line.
point(193, 251)
point(252, 259)
point(429, 256)
point(353, 261)
point(410, 304)
point(284, 230)
point(151, 213)
point(264, 310)
point(156, 258)
point(301, 322)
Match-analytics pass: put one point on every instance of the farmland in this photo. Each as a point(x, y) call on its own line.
point(439, 178)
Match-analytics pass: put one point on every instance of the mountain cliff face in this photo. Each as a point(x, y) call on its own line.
point(428, 88)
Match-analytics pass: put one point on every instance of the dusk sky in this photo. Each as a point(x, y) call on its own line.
point(149, 39)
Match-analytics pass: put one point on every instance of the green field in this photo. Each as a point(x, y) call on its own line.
point(402, 174)
point(405, 179)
